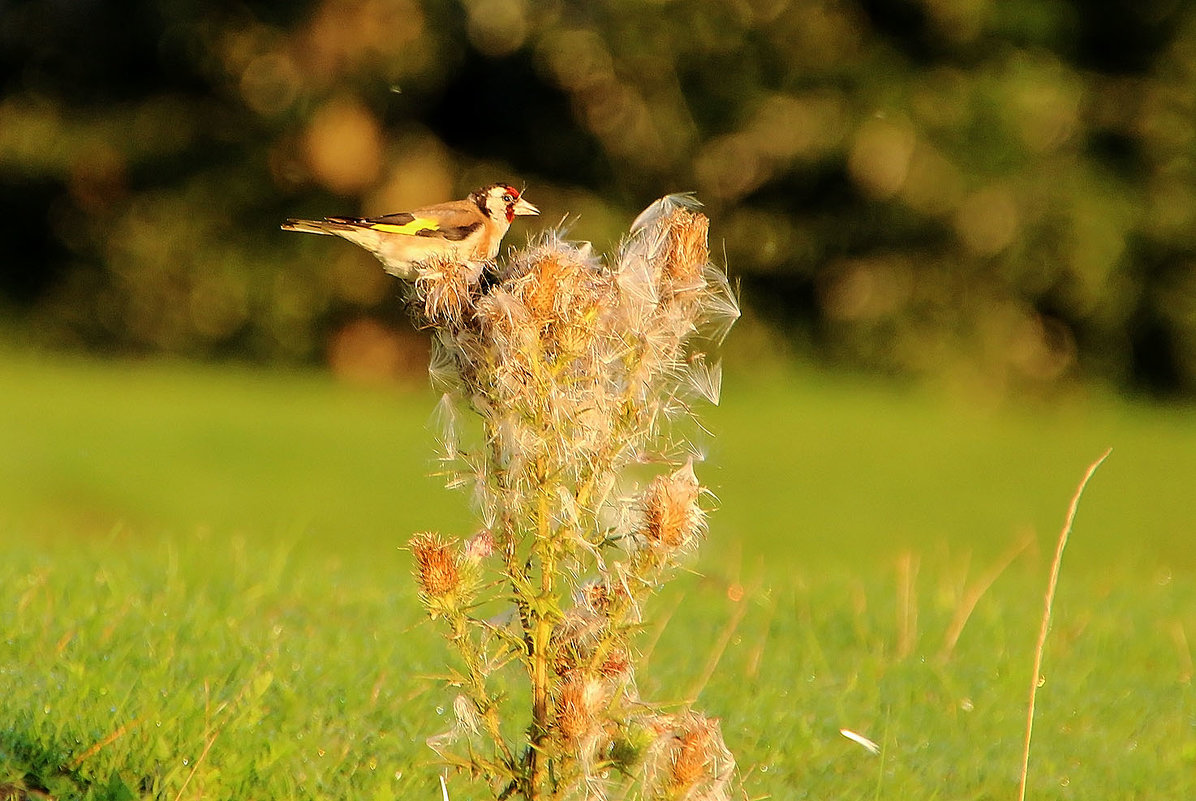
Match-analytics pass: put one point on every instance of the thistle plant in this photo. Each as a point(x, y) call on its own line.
point(580, 373)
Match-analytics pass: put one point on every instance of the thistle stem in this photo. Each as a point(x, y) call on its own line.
point(541, 636)
point(459, 636)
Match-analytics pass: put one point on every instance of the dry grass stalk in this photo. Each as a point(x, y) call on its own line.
point(1045, 627)
point(976, 591)
point(907, 603)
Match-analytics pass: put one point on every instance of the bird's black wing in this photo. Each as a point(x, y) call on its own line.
point(405, 222)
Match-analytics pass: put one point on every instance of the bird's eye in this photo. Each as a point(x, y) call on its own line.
point(508, 198)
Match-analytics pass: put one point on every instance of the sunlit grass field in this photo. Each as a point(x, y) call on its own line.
point(203, 592)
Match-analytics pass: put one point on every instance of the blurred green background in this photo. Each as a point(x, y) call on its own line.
point(997, 193)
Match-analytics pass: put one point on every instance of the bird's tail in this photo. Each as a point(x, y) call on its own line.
point(329, 227)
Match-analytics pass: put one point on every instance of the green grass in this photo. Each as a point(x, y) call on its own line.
point(202, 592)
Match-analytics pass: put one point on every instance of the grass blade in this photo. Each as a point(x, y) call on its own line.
point(1046, 617)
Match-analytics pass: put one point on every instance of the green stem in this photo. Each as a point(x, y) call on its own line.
point(477, 687)
point(541, 637)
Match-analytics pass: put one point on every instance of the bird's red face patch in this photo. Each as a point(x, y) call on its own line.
point(511, 197)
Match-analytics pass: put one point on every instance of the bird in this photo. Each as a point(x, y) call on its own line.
point(461, 230)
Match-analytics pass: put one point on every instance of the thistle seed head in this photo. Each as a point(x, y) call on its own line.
point(581, 700)
point(546, 287)
point(506, 323)
point(479, 546)
point(596, 597)
point(447, 290)
point(691, 755)
point(437, 568)
point(616, 665)
point(575, 639)
point(689, 759)
point(686, 251)
point(672, 517)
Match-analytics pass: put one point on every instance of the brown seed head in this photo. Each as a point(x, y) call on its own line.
point(562, 293)
point(507, 327)
point(616, 665)
point(437, 569)
point(686, 249)
point(672, 517)
point(693, 754)
point(568, 339)
point(596, 597)
point(447, 289)
point(575, 638)
point(580, 700)
point(688, 758)
point(565, 660)
point(551, 278)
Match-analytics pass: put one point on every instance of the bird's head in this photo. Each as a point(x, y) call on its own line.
point(503, 202)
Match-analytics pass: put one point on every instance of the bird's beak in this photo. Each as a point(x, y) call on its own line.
point(522, 207)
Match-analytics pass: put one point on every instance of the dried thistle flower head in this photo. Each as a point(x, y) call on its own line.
point(595, 597)
point(579, 706)
point(686, 250)
point(447, 290)
point(552, 277)
point(480, 546)
point(691, 756)
point(689, 759)
point(616, 664)
point(437, 568)
point(672, 517)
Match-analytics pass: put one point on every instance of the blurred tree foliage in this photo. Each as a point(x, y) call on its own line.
point(1003, 190)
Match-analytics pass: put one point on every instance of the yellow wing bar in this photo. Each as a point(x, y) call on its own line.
point(412, 228)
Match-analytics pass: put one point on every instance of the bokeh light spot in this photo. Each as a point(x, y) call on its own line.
point(343, 146)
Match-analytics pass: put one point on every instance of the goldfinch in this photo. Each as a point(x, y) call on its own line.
point(462, 230)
